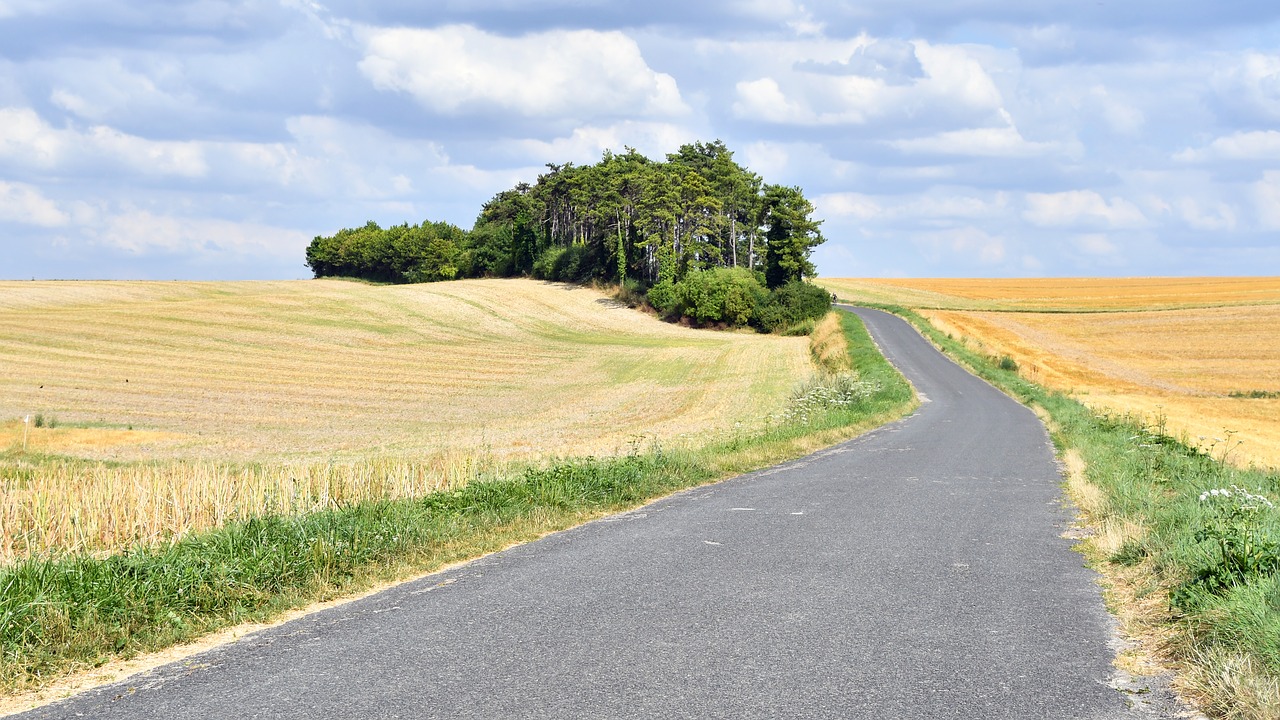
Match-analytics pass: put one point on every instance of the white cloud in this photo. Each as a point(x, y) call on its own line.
point(22, 203)
point(935, 208)
point(1251, 82)
point(151, 157)
point(795, 163)
point(1254, 145)
point(1206, 215)
point(140, 232)
point(27, 139)
point(460, 69)
point(969, 245)
point(977, 142)
point(586, 144)
point(1266, 198)
point(1121, 116)
point(1081, 207)
point(848, 204)
point(821, 84)
point(324, 156)
point(764, 100)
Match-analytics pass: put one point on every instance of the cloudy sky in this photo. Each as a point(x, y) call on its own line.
point(197, 139)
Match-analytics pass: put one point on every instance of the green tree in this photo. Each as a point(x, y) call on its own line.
point(791, 233)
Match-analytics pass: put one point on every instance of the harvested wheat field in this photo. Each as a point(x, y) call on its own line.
point(1203, 358)
point(330, 370)
point(1061, 294)
point(170, 407)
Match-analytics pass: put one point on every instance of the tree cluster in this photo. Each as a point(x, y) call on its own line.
point(699, 220)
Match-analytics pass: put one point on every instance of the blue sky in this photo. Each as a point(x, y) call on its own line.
point(970, 138)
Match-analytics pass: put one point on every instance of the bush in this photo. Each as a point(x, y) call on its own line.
point(792, 304)
point(728, 295)
point(663, 298)
point(544, 267)
point(574, 264)
point(736, 297)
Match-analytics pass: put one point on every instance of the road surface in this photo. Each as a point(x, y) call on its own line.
point(915, 572)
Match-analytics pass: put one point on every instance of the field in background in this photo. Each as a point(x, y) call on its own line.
point(179, 406)
point(1200, 355)
point(1060, 294)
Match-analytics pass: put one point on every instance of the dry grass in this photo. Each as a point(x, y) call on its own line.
point(1171, 350)
point(60, 507)
point(828, 344)
point(228, 400)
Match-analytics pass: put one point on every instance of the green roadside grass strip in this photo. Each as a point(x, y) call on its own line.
point(61, 615)
point(1156, 480)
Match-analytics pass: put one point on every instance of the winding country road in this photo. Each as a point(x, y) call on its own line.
point(915, 572)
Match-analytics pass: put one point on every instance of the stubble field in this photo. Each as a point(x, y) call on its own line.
point(168, 407)
point(1198, 356)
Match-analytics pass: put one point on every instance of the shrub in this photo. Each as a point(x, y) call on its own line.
point(728, 295)
point(792, 304)
point(663, 297)
point(544, 267)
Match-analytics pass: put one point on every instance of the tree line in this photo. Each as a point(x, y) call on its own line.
point(684, 232)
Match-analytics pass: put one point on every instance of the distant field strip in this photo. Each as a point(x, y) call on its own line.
point(1061, 294)
point(321, 370)
point(1202, 353)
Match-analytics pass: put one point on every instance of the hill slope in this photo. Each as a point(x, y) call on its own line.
point(333, 369)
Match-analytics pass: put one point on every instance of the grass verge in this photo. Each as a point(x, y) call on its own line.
point(62, 615)
point(1188, 545)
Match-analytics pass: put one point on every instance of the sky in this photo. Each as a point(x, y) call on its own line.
point(194, 139)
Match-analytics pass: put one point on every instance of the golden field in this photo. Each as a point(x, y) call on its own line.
point(1171, 348)
point(333, 370)
point(1061, 294)
point(182, 405)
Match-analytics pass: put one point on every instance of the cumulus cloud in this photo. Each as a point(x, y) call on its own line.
point(140, 232)
point(461, 70)
point(998, 142)
point(1266, 198)
point(938, 207)
point(25, 204)
point(892, 61)
point(1250, 87)
point(1081, 207)
point(1207, 215)
point(969, 245)
point(26, 139)
point(874, 81)
point(1252, 145)
point(586, 144)
point(848, 204)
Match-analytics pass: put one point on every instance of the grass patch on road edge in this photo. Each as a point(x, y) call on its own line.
point(60, 616)
point(1193, 577)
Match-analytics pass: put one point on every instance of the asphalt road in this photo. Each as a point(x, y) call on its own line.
point(915, 572)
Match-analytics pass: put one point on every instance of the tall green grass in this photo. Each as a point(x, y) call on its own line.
point(1212, 565)
point(65, 614)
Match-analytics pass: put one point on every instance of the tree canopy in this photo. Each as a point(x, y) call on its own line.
point(626, 219)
